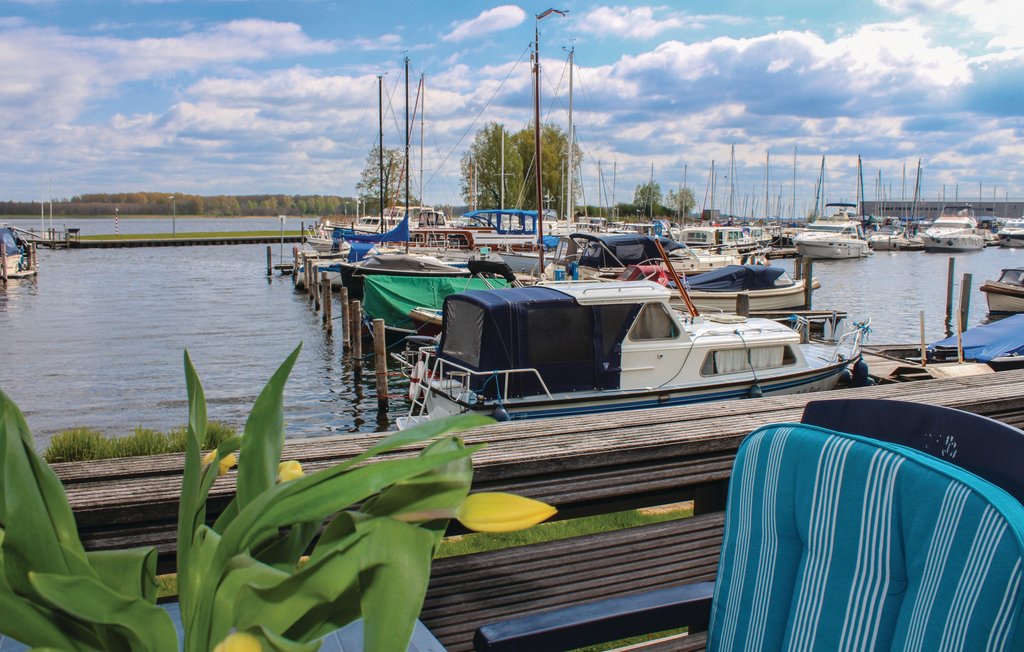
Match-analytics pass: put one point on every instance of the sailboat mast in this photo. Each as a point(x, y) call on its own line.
point(536, 142)
point(572, 144)
point(423, 114)
point(380, 145)
point(407, 170)
point(767, 167)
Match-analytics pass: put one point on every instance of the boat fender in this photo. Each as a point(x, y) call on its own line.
point(414, 380)
point(860, 375)
point(754, 391)
point(500, 414)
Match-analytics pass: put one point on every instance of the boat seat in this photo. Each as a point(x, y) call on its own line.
point(832, 541)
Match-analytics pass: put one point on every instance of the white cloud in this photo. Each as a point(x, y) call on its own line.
point(1003, 20)
point(638, 22)
point(492, 20)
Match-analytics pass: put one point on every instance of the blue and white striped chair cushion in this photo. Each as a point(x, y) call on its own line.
point(839, 542)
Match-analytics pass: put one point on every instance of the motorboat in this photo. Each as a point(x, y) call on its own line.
point(893, 237)
point(718, 237)
point(592, 347)
point(766, 287)
point(999, 344)
point(954, 230)
point(17, 255)
point(384, 264)
point(606, 256)
point(1011, 234)
point(837, 236)
point(1005, 294)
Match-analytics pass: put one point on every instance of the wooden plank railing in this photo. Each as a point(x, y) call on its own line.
point(583, 465)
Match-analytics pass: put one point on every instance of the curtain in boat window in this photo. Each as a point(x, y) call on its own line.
point(730, 361)
point(653, 323)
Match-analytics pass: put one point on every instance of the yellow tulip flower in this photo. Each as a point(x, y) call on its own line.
point(226, 462)
point(289, 470)
point(501, 512)
point(239, 642)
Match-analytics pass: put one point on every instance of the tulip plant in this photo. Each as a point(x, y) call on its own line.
point(245, 580)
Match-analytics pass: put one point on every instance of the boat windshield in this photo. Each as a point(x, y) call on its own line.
point(1012, 276)
point(824, 227)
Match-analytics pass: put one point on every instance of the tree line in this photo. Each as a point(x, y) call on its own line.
point(163, 203)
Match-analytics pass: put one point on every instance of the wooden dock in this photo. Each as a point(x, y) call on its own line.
point(586, 465)
point(182, 242)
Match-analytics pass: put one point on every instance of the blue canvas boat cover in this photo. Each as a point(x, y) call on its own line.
point(988, 341)
point(8, 242)
point(621, 250)
point(398, 234)
point(572, 346)
point(735, 278)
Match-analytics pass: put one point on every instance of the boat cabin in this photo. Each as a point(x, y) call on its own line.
point(716, 236)
point(583, 337)
point(505, 222)
point(620, 250)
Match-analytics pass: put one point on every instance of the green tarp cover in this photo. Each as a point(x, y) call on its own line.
point(391, 298)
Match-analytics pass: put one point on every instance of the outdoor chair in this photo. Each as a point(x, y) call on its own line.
point(837, 541)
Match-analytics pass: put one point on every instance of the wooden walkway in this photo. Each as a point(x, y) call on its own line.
point(583, 465)
point(181, 242)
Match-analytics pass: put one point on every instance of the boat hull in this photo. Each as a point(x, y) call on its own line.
point(953, 242)
point(811, 380)
point(832, 250)
point(773, 299)
point(1003, 298)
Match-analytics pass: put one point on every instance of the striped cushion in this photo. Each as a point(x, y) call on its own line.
point(839, 542)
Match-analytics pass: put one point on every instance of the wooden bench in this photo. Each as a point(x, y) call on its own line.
point(584, 465)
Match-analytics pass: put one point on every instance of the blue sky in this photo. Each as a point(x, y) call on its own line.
point(239, 96)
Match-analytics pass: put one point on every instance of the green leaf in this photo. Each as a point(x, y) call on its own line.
point(144, 626)
point(285, 553)
point(264, 436)
point(241, 571)
point(200, 583)
point(274, 643)
point(40, 528)
point(190, 505)
point(131, 572)
point(397, 562)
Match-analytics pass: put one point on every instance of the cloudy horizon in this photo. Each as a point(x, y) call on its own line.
point(254, 97)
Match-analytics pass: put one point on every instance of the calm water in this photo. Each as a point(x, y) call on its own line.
point(97, 338)
point(127, 225)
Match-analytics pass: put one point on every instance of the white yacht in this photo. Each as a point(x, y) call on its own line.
point(954, 230)
point(1012, 233)
point(837, 236)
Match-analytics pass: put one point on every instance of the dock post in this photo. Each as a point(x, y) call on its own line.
point(302, 232)
point(325, 290)
point(924, 345)
point(35, 258)
point(270, 262)
point(346, 327)
point(295, 261)
point(965, 300)
point(798, 267)
point(743, 304)
point(356, 333)
point(3, 263)
point(807, 273)
point(949, 295)
point(380, 363)
point(315, 291)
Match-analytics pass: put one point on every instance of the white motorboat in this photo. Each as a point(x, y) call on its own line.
point(1006, 294)
point(893, 237)
point(766, 287)
point(590, 347)
point(718, 237)
point(1011, 234)
point(836, 236)
point(954, 230)
point(17, 255)
point(605, 256)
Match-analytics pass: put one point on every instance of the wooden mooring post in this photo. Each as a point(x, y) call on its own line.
point(3, 263)
point(743, 304)
point(965, 300)
point(807, 273)
point(356, 333)
point(949, 295)
point(380, 363)
point(325, 301)
point(346, 327)
point(270, 261)
point(314, 290)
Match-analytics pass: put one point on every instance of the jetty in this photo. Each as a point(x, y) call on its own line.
point(585, 466)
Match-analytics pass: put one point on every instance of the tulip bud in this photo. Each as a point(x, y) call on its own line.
point(289, 470)
point(239, 642)
point(501, 512)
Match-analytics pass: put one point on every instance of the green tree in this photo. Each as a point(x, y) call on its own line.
point(369, 181)
point(482, 164)
point(647, 198)
point(679, 204)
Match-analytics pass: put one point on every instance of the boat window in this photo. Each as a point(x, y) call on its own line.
point(614, 319)
point(730, 361)
point(653, 323)
point(559, 334)
point(630, 253)
point(1012, 276)
point(463, 325)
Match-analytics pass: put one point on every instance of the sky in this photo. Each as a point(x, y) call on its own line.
point(252, 96)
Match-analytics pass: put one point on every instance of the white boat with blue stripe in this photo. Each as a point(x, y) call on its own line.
point(589, 347)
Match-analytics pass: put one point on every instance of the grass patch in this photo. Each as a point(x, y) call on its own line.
point(85, 444)
point(187, 235)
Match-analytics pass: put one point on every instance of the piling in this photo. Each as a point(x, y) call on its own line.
point(380, 362)
point(35, 258)
point(346, 327)
point(949, 295)
point(325, 300)
point(356, 333)
point(965, 300)
point(3, 263)
point(295, 261)
point(798, 267)
point(924, 345)
point(807, 273)
point(743, 304)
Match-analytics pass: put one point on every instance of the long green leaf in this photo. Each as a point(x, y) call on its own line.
point(143, 625)
point(201, 585)
point(189, 504)
point(285, 553)
point(264, 436)
point(274, 643)
point(40, 528)
point(397, 563)
point(131, 572)
point(241, 570)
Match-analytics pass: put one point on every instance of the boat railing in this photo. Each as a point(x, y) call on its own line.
point(852, 341)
